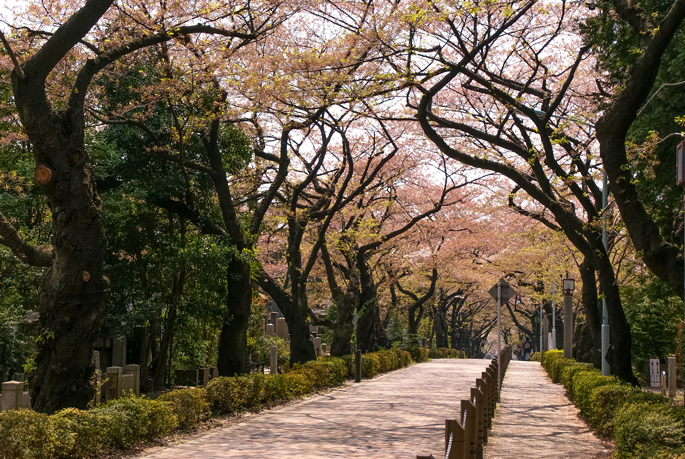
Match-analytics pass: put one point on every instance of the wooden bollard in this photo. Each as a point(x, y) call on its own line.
point(477, 399)
point(455, 438)
point(483, 388)
point(469, 429)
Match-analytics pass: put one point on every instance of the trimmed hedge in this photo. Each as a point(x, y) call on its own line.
point(72, 433)
point(118, 424)
point(445, 353)
point(189, 405)
point(643, 424)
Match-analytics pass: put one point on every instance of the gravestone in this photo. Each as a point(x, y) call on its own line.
point(654, 372)
point(12, 392)
point(324, 348)
point(134, 370)
point(270, 330)
point(114, 385)
point(127, 384)
point(281, 328)
point(119, 352)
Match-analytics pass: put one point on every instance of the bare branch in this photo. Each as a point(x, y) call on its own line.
point(40, 256)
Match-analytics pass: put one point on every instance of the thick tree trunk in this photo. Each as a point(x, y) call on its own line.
point(301, 346)
point(662, 258)
point(344, 328)
point(233, 343)
point(370, 332)
point(75, 291)
point(160, 365)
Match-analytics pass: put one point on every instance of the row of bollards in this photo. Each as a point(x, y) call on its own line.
point(466, 436)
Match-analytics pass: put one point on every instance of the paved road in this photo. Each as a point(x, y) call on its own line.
point(396, 415)
point(535, 419)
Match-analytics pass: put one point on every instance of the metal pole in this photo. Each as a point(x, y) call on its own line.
point(499, 339)
point(541, 326)
point(568, 326)
point(554, 316)
point(605, 315)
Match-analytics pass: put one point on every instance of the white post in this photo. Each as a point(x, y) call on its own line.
point(568, 326)
point(671, 376)
point(542, 334)
point(274, 360)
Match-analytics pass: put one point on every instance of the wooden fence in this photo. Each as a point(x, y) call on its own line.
point(466, 436)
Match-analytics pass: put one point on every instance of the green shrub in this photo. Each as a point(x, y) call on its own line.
point(299, 382)
point(337, 369)
point(567, 372)
point(230, 394)
point(643, 427)
point(584, 382)
point(369, 365)
point(419, 354)
point(383, 365)
point(349, 362)
point(536, 357)
point(606, 401)
point(89, 430)
point(554, 362)
point(189, 405)
point(318, 373)
point(31, 435)
point(275, 388)
point(404, 357)
point(131, 419)
point(444, 353)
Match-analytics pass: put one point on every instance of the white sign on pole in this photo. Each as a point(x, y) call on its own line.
point(507, 291)
point(654, 372)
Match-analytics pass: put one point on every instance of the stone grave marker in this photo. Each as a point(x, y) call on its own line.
point(654, 372)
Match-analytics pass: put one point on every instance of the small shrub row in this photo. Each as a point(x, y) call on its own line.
point(72, 433)
point(445, 353)
point(383, 361)
point(643, 424)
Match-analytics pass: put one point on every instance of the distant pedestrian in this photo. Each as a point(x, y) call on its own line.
point(526, 349)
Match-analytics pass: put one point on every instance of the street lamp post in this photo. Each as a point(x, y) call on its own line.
point(569, 286)
point(554, 316)
point(605, 315)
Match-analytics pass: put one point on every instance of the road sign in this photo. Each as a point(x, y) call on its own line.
point(507, 291)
